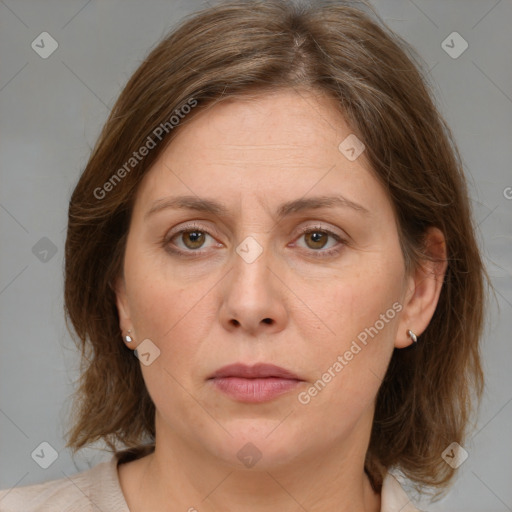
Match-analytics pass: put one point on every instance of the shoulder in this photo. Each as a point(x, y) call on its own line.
point(394, 498)
point(95, 487)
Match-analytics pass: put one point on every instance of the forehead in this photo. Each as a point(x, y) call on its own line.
point(274, 145)
point(285, 123)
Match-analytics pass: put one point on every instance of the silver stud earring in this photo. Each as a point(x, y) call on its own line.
point(413, 336)
point(128, 338)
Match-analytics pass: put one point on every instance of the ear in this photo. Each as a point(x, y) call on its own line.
point(423, 289)
point(123, 308)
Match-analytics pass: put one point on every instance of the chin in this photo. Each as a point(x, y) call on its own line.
point(258, 445)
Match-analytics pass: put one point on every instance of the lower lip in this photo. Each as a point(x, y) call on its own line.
point(254, 390)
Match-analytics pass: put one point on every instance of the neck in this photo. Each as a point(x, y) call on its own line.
point(330, 481)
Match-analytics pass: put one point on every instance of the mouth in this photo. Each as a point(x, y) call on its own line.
point(254, 384)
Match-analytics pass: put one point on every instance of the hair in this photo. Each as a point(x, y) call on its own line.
point(230, 51)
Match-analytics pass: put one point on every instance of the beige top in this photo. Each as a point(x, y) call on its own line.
point(99, 489)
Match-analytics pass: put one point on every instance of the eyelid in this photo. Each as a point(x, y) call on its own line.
point(193, 226)
point(319, 227)
point(212, 232)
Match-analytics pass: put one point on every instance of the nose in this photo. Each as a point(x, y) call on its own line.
point(253, 297)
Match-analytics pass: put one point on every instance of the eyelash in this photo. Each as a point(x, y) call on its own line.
point(197, 253)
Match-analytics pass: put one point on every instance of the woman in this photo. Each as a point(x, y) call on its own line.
point(275, 222)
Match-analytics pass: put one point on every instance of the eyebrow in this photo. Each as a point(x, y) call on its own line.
point(216, 208)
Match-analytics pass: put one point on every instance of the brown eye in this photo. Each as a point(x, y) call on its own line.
point(320, 242)
point(193, 239)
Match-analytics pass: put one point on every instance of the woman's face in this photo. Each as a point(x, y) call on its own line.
point(278, 248)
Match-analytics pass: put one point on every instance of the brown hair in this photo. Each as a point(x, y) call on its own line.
point(232, 49)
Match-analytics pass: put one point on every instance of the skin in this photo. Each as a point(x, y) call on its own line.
point(209, 310)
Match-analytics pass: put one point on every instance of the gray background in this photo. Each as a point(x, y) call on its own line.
point(51, 111)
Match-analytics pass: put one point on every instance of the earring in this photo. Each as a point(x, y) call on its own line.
point(128, 338)
point(413, 336)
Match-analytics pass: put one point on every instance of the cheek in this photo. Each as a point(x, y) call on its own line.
point(157, 299)
point(361, 310)
point(354, 300)
point(175, 317)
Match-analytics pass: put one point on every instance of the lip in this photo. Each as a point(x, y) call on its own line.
point(254, 384)
point(256, 371)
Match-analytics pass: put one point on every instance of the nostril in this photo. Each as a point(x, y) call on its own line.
point(267, 320)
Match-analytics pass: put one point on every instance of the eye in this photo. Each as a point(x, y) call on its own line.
point(187, 240)
point(317, 239)
point(191, 241)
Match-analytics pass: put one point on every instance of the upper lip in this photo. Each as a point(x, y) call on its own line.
point(260, 370)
